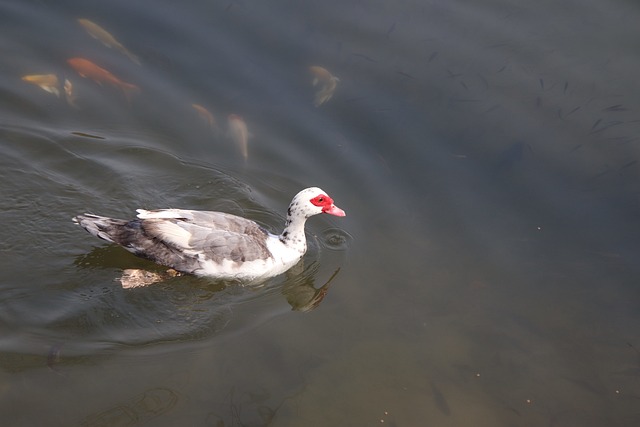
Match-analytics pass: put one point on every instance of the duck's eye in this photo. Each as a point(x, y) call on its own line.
point(321, 200)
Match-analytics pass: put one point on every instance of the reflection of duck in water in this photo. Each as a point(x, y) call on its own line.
point(299, 287)
point(215, 244)
point(304, 296)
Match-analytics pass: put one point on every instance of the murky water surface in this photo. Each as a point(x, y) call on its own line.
point(486, 154)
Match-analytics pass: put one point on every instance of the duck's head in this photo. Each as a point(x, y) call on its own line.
point(313, 201)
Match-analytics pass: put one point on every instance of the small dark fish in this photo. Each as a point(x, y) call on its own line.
point(538, 102)
point(617, 107)
point(360, 55)
point(596, 124)
point(502, 69)
point(452, 74)
point(390, 30)
point(566, 86)
point(607, 126)
point(463, 85)
point(484, 81)
point(542, 84)
point(402, 73)
point(432, 57)
point(572, 111)
point(576, 148)
point(626, 165)
point(439, 400)
point(87, 135)
point(604, 172)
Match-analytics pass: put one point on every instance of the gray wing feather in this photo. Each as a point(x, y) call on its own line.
point(218, 236)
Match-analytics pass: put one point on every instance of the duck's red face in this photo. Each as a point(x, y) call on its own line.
point(326, 203)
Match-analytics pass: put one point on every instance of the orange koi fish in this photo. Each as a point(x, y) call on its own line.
point(99, 33)
point(89, 70)
point(47, 82)
point(329, 83)
point(206, 116)
point(239, 133)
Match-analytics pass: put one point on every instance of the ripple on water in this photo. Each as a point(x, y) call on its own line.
point(336, 239)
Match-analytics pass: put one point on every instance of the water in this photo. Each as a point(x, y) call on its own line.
point(486, 155)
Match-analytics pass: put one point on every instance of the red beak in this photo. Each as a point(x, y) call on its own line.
point(334, 210)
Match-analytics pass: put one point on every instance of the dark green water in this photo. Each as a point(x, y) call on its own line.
point(486, 154)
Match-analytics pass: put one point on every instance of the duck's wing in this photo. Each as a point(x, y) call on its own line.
point(208, 236)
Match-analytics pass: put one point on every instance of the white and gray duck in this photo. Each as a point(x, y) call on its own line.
point(215, 244)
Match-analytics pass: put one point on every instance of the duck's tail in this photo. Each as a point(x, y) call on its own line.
point(101, 226)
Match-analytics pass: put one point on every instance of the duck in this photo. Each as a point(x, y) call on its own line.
point(214, 244)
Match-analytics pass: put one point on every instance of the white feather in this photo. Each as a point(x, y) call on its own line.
point(174, 234)
point(163, 213)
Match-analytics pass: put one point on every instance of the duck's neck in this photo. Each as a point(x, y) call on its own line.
point(293, 235)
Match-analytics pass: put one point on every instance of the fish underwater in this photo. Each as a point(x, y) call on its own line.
point(99, 33)
point(239, 133)
point(47, 82)
point(207, 117)
point(328, 83)
point(89, 70)
point(69, 94)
